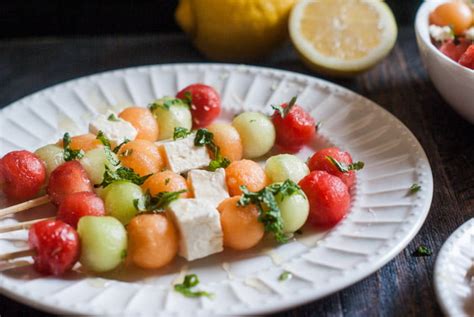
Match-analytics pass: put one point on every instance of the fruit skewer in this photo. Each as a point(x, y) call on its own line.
point(24, 206)
point(21, 225)
point(68, 178)
point(53, 244)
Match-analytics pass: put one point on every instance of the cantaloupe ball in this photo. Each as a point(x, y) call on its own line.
point(227, 138)
point(143, 121)
point(166, 181)
point(85, 142)
point(245, 172)
point(142, 156)
point(152, 241)
point(240, 224)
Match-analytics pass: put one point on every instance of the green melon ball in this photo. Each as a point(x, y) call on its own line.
point(171, 113)
point(103, 243)
point(281, 167)
point(119, 200)
point(256, 132)
point(52, 156)
point(294, 210)
point(95, 161)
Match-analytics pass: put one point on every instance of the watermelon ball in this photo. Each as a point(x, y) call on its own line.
point(320, 162)
point(467, 59)
point(328, 196)
point(205, 103)
point(56, 245)
point(22, 174)
point(294, 126)
point(77, 205)
point(454, 49)
point(66, 179)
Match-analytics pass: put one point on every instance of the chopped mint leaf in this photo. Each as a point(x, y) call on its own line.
point(285, 276)
point(121, 173)
point(189, 282)
point(414, 189)
point(165, 103)
point(117, 148)
point(205, 137)
point(70, 154)
point(422, 251)
point(113, 117)
point(283, 111)
point(180, 133)
point(108, 152)
point(103, 139)
point(220, 162)
point(265, 201)
point(345, 168)
point(188, 98)
point(155, 204)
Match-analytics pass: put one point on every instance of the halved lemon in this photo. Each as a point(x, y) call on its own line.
point(342, 37)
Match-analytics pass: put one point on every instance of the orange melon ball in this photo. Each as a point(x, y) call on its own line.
point(455, 14)
point(85, 142)
point(228, 140)
point(240, 224)
point(152, 241)
point(245, 172)
point(166, 181)
point(142, 156)
point(143, 121)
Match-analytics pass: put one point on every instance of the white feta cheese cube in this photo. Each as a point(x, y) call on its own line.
point(114, 128)
point(470, 33)
point(182, 155)
point(441, 33)
point(209, 185)
point(199, 226)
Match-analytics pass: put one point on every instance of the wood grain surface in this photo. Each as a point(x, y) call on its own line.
point(403, 287)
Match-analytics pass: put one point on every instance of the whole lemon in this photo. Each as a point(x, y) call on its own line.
point(236, 30)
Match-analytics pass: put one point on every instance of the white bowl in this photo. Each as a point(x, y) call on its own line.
point(453, 81)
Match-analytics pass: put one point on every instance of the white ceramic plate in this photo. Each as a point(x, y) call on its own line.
point(382, 220)
point(454, 272)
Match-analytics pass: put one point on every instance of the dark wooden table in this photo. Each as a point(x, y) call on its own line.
point(404, 286)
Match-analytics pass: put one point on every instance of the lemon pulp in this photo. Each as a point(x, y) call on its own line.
point(342, 36)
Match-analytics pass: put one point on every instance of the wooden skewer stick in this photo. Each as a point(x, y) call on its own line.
point(24, 206)
point(5, 266)
point(21, 225)
point(16, 255)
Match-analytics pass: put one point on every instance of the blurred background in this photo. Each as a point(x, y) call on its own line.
point(33, 18)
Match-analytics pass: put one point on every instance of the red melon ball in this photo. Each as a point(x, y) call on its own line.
point(56, 245)
point(77, 205)
point(22, 174)
point(66, 179)
point(320, 162)
point(328, 196)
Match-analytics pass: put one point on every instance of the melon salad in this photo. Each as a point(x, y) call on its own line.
point(452, 31)
point(148, 184)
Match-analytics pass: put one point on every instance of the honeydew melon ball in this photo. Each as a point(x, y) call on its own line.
point(119, 200)
point(285, 166)
point(256, 132)
point(95, 161)
point(171, 113)
point(294, 210)
point(103, 243)
point(52, 156)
